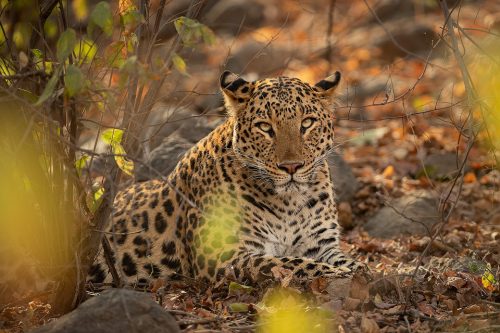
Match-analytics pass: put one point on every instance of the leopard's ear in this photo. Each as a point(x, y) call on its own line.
point(236, 90)
point(327, 87)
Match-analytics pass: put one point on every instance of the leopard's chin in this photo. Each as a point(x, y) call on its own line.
point(290, 187)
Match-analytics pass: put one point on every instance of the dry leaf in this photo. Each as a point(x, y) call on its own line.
point(426, 309)
point(283, 275)
point(455, 281)
point(369, 325)
point(318, 285)
point(351, 304)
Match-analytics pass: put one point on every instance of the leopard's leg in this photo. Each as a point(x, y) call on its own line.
point(256, 266)
point(322, 241)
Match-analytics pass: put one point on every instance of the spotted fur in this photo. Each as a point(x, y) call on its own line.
point(254, 194)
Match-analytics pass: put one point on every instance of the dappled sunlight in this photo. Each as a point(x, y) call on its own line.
point(217, 235)
point(36, 219)
point(485, 68)
point(286, 310)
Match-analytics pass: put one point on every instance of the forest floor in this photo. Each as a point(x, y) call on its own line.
point(423, 213)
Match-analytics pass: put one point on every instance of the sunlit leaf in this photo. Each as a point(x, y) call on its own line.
point(238, 307)
point(74, 80)
point(49, 88)
point(123, 163)
point(131, 18)
point(38, 54)
point(125, 5)
point(192, 31)
point(80, 8)
point(81, 163)
point(235, 288)
point(94, 201)
point(132, 42)
point(85, 51)
point(65, 44)
point(112, 136)
point(50, 28)
point(179, 63)
point(22, 34)
point(208, 35)
point(102, 17)
point(488, 279)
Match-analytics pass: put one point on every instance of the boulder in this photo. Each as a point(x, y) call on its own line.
point(116, 310)
point(410, 214)
point(344, 181)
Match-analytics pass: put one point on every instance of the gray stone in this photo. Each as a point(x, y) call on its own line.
point(411, 214)
point(163, 158)
point(116, 310)
point(179, 135)
point(441, 166)
point(344, 180)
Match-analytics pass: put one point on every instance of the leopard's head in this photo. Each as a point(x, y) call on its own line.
point(283, 128)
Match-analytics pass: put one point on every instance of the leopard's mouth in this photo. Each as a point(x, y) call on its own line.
point(291, 185)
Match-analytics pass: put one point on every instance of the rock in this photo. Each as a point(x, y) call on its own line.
point(389, 9)
point(412, 38)
point(163, 159)
point(260, 57)
point(344, 181)
point(116, 310)
point(441, 166)
point(166, 119)
point(420, 206)
point(345, 215)
point(234, 16)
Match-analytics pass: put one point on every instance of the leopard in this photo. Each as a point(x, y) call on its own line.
point(252, 198)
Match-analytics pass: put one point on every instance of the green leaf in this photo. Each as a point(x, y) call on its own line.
point(179, 63)
point(49, 88)
point(81, 163)
point(235, 288)
point(65, 44)
point(123, 163)
point(85, 51)
point(130, 65)
point(74, 81)
point(238, 307)
point(192, 31)
point(102, 17)
point(112, 136)
point(131, 18)
point(38, 54)
point(208, 35)
point(114, 54)
point(96, 200)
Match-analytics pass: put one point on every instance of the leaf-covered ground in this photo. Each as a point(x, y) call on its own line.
point(402, 128)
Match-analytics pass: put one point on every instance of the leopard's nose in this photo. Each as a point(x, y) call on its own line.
point(290, 166)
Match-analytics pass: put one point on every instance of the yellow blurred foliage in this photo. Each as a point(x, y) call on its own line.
point(485, 66)
point(285, 310)
point(37, 220)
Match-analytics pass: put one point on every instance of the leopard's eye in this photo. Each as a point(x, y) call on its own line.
point(265, 127)
point(306, 123)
